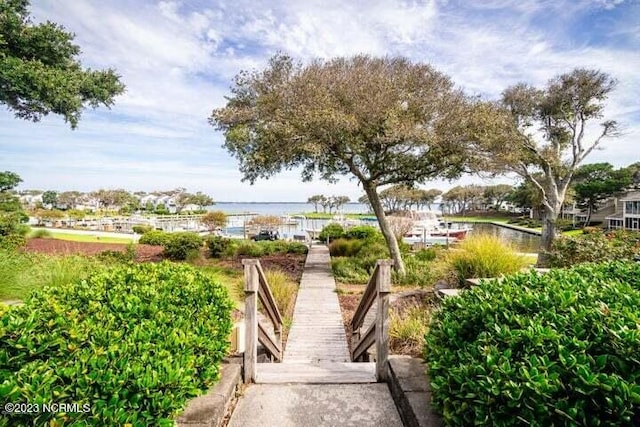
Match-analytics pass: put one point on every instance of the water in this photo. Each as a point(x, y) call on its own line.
point(279, 209)
point(523, 242)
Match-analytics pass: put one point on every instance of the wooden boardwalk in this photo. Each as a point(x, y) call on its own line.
point(317, 350)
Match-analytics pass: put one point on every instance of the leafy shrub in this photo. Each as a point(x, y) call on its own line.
point(182, 245)
point(362, 232)
point(428, 254)
point(331, 232)
point(349, 270)
point(344, 247)
point(135, 343)
point(252, 249)
point(40, 233)
point(371, 252)
point(484, 256)
point(557, 349)
point(155, 237)
point(421, 273)
point(142, 229)
point(217, 245)
point(594, 246)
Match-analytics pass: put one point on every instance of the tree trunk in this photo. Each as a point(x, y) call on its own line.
point(549, 219)
point(588, 220)
point(389, 237)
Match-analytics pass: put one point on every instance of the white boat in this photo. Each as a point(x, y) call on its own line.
point(430, 228)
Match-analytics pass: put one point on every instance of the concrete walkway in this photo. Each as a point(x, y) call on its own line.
point(316, 384)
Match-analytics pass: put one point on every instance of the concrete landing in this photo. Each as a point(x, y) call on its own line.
point(316, 373)
point(296, 405)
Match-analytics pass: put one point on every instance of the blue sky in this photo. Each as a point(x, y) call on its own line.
point(178, 58)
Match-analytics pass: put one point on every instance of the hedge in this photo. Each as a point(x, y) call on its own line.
point(134, 342)
point(557, 349)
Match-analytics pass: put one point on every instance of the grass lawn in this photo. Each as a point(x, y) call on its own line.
point(61, 235)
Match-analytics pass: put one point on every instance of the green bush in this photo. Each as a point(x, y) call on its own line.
point(183, 245)
point(155, 237)
point(40, 233)
point(331, 232)
point(252, 249)
point(349, 270)
point(217, 245)
point(362, 232)
point(142, 229)
point(484, 256)
point(428, 254)
point(559, 349)
point(345, 247)
point(135, 343)
point(594, 246)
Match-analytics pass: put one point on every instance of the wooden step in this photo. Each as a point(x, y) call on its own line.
point(316, 373)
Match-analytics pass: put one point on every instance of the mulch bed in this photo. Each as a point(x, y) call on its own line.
point(291, 264)
point(144, 253)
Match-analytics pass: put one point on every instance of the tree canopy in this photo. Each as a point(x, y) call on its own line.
point(544, 130)
point(380, 120)
point(40, 72)
point(596, 182)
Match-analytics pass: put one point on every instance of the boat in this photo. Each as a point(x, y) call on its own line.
point(430, 228)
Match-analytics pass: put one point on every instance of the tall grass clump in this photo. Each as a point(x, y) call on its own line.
point(484, 256)
point(284, 290)
point(407, 330)
point(20, 273)
point(40, 233)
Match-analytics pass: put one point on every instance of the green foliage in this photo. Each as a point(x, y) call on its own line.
point(284, 291)
point(128, 255)
point(155, 237)
point(22, 272)
point(484, 256)
point(40, 72)
point(363, 232)
point(142, 229)
point(40, 233)
point(218, 245)
point(135, 343)
point(331, 232)
point(345, 247)
point(407, 330)
point(556, 349)
point(594, 245)
point(428, 254)
point(181, 246)
point(349, 270)
point(265, 247)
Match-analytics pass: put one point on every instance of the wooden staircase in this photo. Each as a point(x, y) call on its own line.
point(317, 350)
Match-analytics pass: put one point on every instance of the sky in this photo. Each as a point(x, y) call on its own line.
point(178, 58)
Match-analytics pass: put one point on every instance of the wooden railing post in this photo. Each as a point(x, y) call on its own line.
point(383, 288)
point(251, 284)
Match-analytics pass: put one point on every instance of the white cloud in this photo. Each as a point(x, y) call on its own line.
point(177, 59)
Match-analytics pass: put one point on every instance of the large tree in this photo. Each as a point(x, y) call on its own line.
point(545, 130)
point(40, 72)
point(596, 182)
point(381, 120)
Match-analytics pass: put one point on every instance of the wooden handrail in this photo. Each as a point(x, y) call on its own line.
point(377, 290)
point(256, 288)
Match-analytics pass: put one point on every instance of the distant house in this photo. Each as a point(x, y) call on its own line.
point(627, 212)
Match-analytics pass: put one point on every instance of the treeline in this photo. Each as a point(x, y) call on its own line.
point(328, 202)
point(120, 200)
